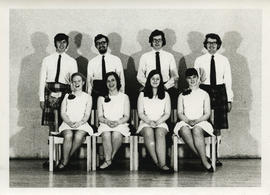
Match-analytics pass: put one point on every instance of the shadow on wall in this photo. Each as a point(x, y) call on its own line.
point(30, 137)
point(133, 64)
point(241, 81)
point(195, 42)
point(75, 42)
point(179, 57)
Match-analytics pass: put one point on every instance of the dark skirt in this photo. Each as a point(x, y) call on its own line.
point(219, 103)
point(48, 114)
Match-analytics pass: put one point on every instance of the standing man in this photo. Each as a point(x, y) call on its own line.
point(99, 66)
point(216, 79)
point(56, 70)
point(161, 60)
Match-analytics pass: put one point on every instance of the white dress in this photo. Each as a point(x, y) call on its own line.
point(193, 109)
point(75, 111)
point(154, 108)
point(114, 110)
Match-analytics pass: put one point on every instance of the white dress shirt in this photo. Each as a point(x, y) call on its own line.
point(68, 66)
point(112, 64)
point(223, 71)
point(167, 65)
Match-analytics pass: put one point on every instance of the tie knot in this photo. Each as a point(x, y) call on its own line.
point(213, 56)
point(157, 53)
point(103, 56)
point(59, 56)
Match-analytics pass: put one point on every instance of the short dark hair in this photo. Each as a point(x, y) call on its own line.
point(60, 37)
point(100, 36)
point(157, 33)
point(191, 72)
point(148, 92)
point(118, 84)
point(78, 74)
point(212, 36)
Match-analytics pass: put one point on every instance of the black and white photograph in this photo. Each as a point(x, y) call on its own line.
point(135, 98)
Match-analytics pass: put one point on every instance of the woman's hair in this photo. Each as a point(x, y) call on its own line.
point(118, 84)
point(78, 74)
point(191, 72)
point(148, 91)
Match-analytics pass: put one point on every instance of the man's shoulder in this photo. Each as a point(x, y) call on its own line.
point(48, 57)
point(146, 54)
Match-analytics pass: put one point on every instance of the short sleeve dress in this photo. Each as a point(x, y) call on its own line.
point(154, 108)
point(75, 111)
point(114, 110)
point(193, 109)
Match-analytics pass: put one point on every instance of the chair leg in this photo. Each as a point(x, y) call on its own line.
point(207, 147)
point(88, 141)
point(94, 153)
point(51, 152)
point(136, 160)
point(213, 141)
point(175, 153)
point(131, 155)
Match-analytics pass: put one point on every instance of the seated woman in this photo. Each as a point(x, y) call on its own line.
point(75, 112)
point(154, 107)
point(113, 114)
point(193, 111)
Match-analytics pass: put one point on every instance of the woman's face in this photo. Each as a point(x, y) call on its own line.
point(111, 83)
point(192, 80)
point(77, 83)
point(155, 80)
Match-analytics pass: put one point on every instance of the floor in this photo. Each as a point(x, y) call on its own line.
point(233, 173)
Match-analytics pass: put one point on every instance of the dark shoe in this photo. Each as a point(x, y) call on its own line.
point(210, 170)
point(164, 170)
point(61, 167)
point(108, 165)
point(218, 163)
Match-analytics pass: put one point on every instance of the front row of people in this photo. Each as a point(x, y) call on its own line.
point(154, 108)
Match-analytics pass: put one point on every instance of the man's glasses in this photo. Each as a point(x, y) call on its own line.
point(157, 40)
point(212, 43)
point(101, 43)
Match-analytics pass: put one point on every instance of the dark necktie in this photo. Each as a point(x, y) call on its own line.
point(157, 61)
point(103, 68)
point(58, 69)
point(213, 72)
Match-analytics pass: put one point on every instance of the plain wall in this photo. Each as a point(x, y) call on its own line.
point(31, 39)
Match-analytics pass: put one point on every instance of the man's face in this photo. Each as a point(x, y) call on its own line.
point(157, 42)
point(211, 45)
point(102, 45)
point(61, 46)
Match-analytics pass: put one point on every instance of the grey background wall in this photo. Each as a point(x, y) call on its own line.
point(31, 39)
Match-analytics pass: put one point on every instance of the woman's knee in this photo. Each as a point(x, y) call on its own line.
point(116, 135)
point(79, 135)
point(67, 134)
point(197, 132)
point(161, 132)
point(147, 132)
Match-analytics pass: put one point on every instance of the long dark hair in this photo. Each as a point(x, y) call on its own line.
point(148, 92)
point(118, 84)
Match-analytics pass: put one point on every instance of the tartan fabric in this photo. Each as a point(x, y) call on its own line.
point(47, 114)
point(219, 103)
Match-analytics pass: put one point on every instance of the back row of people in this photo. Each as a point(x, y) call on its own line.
point(214, 74)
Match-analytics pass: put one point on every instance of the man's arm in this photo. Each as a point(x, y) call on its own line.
point(42, 82)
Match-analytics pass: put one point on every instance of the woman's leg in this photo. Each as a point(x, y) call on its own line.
point(78, 138)
point(67, 145)
point(160, 134)
point(149, 141)
point(199, 143)
point(107, 147)
point(117, 139)
point(185, 133)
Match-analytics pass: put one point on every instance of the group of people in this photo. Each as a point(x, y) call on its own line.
point(209, 87)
